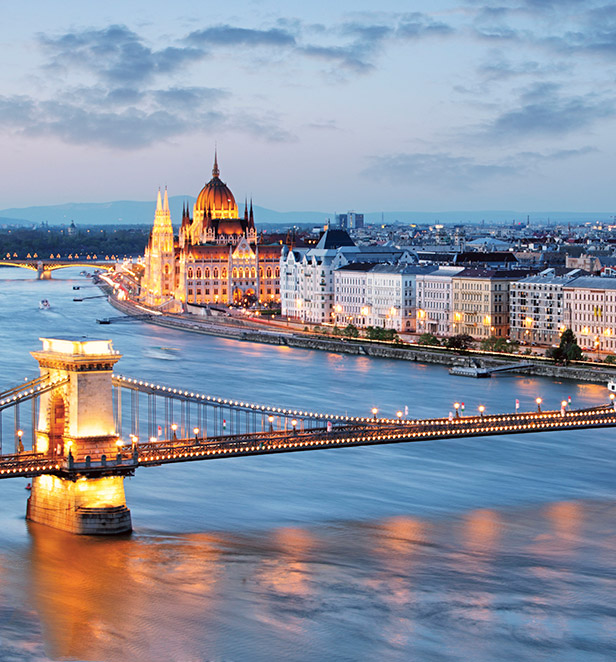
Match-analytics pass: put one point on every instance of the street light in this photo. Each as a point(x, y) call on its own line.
point(399, 414)
point(539, 401)
point(456, 406)
point(20, 446)
point(294, 425)
point(481, 410)
point(563, 404)
point(375, 411)
point(271, 422)
point(196, 433)
point(174, 427)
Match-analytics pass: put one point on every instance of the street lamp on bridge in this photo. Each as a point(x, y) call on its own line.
point(538, 401)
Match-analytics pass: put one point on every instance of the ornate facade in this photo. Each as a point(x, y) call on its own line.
point(216, 258)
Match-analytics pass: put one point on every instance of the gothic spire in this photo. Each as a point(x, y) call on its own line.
point(159, 204)
point(215, 170)
point(166, 203)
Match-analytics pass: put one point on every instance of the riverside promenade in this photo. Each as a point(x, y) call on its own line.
point(277, 333)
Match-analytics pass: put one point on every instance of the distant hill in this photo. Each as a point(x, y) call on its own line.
point(131, 213)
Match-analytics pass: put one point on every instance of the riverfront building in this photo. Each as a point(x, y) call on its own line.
point(307, 275)
point(480, 302)
point(380, 295)
point(590, 311)
point(217, 257)
point(434, 299)
point(537, 307)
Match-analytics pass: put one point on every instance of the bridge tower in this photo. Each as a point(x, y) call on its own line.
point(41, 272)
point(76, 426)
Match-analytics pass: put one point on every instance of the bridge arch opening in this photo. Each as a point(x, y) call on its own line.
point(57, 425)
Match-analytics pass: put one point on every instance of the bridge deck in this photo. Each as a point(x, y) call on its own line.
point(345, 436)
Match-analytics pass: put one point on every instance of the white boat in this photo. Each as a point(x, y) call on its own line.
point(611, 385)
point(44, 304)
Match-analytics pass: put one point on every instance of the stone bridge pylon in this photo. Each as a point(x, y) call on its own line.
point(76, 426)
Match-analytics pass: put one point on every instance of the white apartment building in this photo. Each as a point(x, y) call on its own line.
point(590, 311)
point(381, 295)
point(307, 275)
point(434, 299)
point(537, 307)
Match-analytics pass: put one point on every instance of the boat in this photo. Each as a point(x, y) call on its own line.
point(164, 353)
point(29, 486)
point(611, 385)
point(44, 304)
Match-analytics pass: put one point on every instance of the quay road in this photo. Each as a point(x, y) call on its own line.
point(369, 433)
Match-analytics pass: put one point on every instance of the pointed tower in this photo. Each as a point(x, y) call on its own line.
point(158, 278)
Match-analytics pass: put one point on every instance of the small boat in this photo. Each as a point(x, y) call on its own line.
point(29, 486)
point(44, 304)
point(611, 385)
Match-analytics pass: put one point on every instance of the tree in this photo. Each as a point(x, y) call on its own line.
point(381, 333)
point(351, 331)
point(496, 344)
point(567, 351)
point(610, 358)
point(428, 339)
point(460, 341)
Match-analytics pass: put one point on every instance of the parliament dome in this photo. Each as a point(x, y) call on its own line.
point(215, 198)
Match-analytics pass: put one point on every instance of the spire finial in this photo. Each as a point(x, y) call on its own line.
point(159, 204)
point(215, 171)
point(166, 203)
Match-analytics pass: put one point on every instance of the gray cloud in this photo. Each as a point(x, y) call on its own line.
point(227, 35)
point(437, 169)
point(115, 54)
point(415, 25)
point(498, 67)
point(544, 111)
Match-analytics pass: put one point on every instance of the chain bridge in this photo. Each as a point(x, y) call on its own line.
point(78, 429)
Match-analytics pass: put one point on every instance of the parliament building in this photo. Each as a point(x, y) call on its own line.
point(216, 258)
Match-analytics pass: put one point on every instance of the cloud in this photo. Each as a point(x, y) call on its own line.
point(499, 67)
point(416, 25)
point(438, 169)
point(115, 54)
point(543, 110)
point(435, 169)
point(227, 35)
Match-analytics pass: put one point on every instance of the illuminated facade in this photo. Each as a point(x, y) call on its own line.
point(537, 307)
point(590, 311)
point(217, 257)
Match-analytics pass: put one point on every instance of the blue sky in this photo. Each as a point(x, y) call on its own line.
point(432, 106)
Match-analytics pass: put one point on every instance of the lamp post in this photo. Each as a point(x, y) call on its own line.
point(196, 433)
point(539, 401)
point(481, 410)
point(399, 414)
point(294, 425)
point(20, 446)
point(174, 428)
point(563, 404)
point(271, 423)
point(375, 411)
point(456, 406)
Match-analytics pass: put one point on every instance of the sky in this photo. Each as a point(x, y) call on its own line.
point(401, 105)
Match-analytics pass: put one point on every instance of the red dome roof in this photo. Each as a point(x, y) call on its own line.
point(216, 197)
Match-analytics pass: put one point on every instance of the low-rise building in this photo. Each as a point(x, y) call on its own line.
point(434, 298)
point(480, 302)
point(537, 307)
point(590, 311)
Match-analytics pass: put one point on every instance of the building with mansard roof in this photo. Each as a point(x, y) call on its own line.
point(217, 256)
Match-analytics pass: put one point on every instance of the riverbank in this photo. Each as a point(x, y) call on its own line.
point(230, 327)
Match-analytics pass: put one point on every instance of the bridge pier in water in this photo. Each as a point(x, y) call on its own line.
point(76, 426)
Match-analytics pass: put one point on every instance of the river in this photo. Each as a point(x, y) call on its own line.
point(481, 549)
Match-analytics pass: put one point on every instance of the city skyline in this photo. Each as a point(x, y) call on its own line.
point(455, 105)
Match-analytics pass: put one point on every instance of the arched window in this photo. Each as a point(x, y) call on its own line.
point(260, 272)
point(215, 272)
point(277, 272)
point(190, 272)
point(224, 273)
point(268, 273)
point(253, 272)
point(167, 270)
point(207, 272)
point(198, 272)
point(234, 273)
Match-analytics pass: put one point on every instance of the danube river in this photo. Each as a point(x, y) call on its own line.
point(487, 549)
